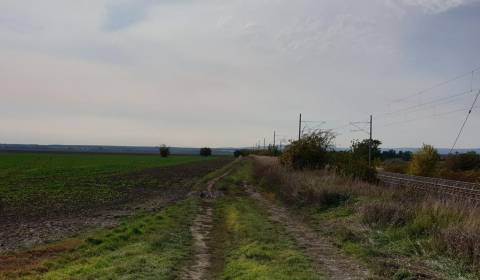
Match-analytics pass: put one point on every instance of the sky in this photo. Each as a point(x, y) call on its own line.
point(228, 73)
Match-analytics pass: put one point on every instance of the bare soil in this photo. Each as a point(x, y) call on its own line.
point(202, 233)
point(170, 184)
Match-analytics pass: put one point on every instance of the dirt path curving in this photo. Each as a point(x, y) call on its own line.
point(326, 257)
point(201, 231)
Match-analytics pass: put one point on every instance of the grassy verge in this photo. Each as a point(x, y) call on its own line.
point(399, 234)
point(249, 246)
point(145, 247)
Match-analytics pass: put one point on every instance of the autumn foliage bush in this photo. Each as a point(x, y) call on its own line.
point(424, 161)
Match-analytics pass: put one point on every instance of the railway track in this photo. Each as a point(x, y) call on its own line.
point(432, 185)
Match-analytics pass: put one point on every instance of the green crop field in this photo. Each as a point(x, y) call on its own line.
point(49, 181)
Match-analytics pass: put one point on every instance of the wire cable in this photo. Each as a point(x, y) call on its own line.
point(449, 98)
point(424, 118)
point(465, 122)
point(437, 85)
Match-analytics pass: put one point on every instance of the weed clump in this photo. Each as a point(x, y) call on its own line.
point(385, 214)
point(461, 241)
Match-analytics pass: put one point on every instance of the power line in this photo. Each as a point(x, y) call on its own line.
point(465, 121)
point(426, 117)
point(437, 85)
point(451, 98)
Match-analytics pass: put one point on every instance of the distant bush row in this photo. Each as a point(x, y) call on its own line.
point(165, 151)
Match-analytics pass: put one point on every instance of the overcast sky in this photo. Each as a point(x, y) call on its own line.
point(228, 73)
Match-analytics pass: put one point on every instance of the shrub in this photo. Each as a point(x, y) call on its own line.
point(395, 165)
point(164, 151)
point(346, 164)
point(308, 152)
point(463, 162)
point(205, 152)
point(243, 153)
point(360, 149)
point(424, 161)
point(468, 176)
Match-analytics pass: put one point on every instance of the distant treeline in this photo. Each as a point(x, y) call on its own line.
point(108, 149)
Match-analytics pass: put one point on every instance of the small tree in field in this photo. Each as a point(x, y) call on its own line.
point(424, 161)
point(205, 152)
point(164, 151)
point(311, 151)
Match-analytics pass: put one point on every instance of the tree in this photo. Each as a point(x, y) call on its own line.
point(164, 151)
point(424, 161)
point(359, 149)
point(205, 152)
point(407, 155)
point(310, 151)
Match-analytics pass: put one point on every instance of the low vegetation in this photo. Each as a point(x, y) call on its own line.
point(427, 162)
point(398, 233)
point(250, 246)
point(46, 183)
point(149, 246)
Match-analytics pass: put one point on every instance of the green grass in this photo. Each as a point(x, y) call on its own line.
point(144, 247)
point(253, 246)
point(394, 238)
point(387, 250)
point(38, 180)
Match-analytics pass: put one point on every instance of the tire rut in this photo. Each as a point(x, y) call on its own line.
point(201, 232)
point(326, 257)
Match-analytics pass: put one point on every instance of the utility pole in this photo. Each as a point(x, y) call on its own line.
point(300, 128)
point(370, 142)
point(274, 135)
point(264, 143)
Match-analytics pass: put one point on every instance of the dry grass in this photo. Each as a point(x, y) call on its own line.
point(321, 187)
point(450, 227)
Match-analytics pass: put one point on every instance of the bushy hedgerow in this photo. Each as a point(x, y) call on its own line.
point(347, 164)
point(309, 152)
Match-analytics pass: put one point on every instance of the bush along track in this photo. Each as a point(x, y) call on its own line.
point(397, 234)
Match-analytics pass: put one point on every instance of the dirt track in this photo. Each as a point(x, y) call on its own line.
point(325, 256)
point(201, 231)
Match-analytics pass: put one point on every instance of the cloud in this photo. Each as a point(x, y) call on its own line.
point(125, 13)
point(221, 72)
point(436, 6)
